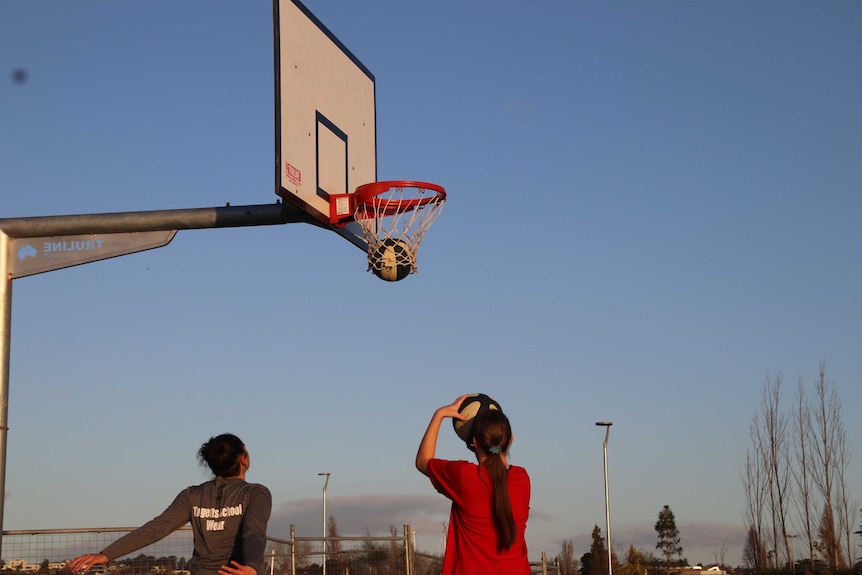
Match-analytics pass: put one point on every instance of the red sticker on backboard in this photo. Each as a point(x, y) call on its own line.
point(293, 174)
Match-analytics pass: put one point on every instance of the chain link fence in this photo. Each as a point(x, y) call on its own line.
point(49, 552)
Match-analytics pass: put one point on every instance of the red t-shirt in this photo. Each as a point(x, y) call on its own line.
point(471, 546)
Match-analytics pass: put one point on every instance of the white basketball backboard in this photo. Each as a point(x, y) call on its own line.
point(326, 134)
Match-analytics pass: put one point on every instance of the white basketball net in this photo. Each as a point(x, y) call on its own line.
point(386, 221)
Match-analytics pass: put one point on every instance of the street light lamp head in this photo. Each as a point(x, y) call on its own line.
point(604, 423)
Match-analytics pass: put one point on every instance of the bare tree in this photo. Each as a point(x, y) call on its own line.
point(280, 559)
point(828, 544)
point(755, 489)
point(802, 475)
point(827, 427)
point(567, 560)
point(777, 466)
point(845, 508)
point(719, 554)
point(754, 552)
point(303, 550)
point(853, 559)
point(804, 464)
point(334, 545)
point(771, 456)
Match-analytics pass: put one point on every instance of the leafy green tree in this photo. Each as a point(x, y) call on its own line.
point(598, 554)
point(586, 563)
point(636, 562)
point(668, 536)
point(595, 561)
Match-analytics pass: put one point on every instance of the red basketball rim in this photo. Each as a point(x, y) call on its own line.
point(366, 195)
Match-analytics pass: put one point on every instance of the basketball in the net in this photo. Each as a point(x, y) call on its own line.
point(470, 407)
point(392, 260)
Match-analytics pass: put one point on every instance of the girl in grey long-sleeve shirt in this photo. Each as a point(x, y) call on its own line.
point(228, 516)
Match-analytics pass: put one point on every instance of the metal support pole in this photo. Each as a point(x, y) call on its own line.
point(325, 483)
point(292, 549)
point(5, 339)
point(408, 551)
point(607, 425)
point(121, 222)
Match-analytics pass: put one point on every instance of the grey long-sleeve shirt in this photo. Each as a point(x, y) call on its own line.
point(228, 517)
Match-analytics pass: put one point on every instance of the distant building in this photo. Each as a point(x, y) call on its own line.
point(697, 570)
point(20, 565)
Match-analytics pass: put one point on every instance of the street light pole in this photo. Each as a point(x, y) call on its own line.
point(325, 483)
point(607, 425)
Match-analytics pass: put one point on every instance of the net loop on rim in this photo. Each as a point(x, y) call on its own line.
point(394, 216)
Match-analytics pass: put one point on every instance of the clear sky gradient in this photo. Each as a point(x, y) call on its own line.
point(653, 207)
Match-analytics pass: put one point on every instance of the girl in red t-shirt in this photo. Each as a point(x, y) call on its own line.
point(490, 501)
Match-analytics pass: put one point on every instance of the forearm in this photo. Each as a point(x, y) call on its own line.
point(428, 445)
point(172, 518)
point(137, 539)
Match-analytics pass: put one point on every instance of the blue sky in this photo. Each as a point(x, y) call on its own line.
point(652, 207)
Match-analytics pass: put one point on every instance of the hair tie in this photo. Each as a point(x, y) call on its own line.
point(495, 449)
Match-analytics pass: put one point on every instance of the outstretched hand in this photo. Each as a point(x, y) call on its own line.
point(83, 563)
point(237, 569)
